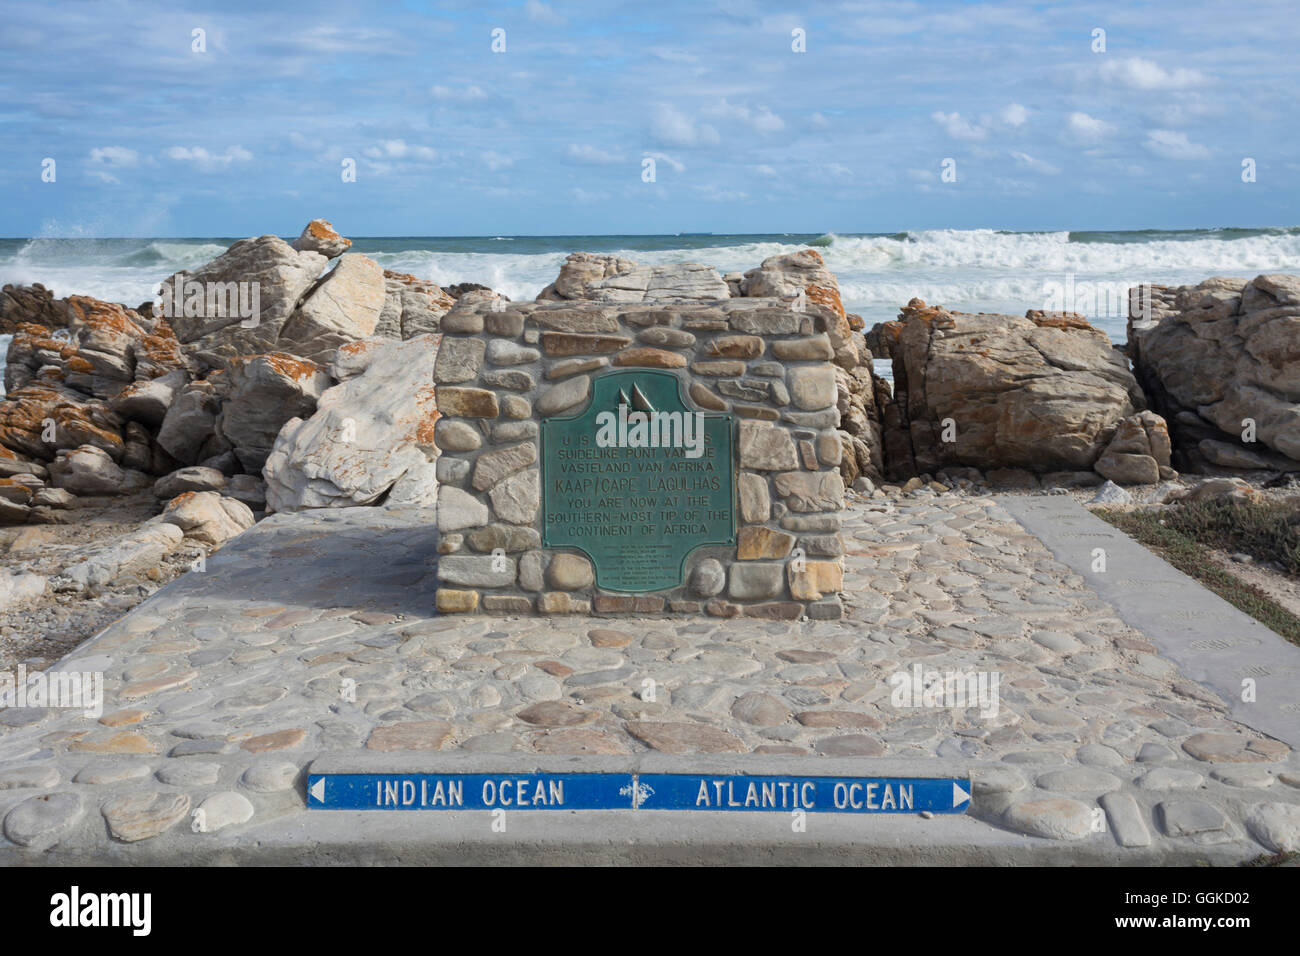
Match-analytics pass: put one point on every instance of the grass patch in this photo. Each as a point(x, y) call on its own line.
point(1266, 532)
point(1190, 555)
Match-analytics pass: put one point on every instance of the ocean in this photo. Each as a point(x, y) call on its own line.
point(975, 270)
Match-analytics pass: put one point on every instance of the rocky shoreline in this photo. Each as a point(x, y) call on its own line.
point(283, 376)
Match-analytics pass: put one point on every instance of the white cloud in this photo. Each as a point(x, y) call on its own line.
point(761, 120)
point(468, 94)
point(1139, 74)
point(114, 156)
point(590, 155)
point(207, 161)
point(399, 149)
point(495, 161)
point(1087, 130)
point(677, 129)
point(1172, 145)
point(540, 13)
point(818, 121)
point(957, 127)
point(765, 170)
point(1037, 165)
point(1014, 115)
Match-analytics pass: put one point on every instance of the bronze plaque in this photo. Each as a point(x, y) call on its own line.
point(638, 481)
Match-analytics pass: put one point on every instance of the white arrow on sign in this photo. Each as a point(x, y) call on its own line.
point(318, 790)
point(959, 796)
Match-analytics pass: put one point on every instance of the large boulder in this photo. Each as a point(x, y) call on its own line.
point(90, 471)
point(1138, 453)
point(1221, 361)
point(1001, 391)
point(125, 558)
point(411, 306)
point(605, 278)
point(371, 436)
point(207, 517)
point(147, 400)
point(265, 391)
point(787, 275)
point(189, 430)
point(343, 307)
point(282, 275)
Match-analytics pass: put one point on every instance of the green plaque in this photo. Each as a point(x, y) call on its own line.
point(638, 481)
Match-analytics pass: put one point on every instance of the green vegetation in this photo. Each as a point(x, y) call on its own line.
point(1184, 535)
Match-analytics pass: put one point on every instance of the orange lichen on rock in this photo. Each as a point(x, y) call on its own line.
point(1058, 320)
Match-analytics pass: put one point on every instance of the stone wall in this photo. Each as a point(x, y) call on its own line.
point(504, 368)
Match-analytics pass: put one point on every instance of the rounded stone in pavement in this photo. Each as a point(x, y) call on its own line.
point(38, 775)
point(499, 742)
point(579, 741)
point(606, 637)
point(1247, 776)
point(995, 780)
point(269, 776)
point(40, 822)
point(1275, 825)
point(679, 737)
point(1164, 778)
point(1099, 755)
point(1079, 780)
point(222, 810)
point(410, 735)
point(139, 816)
point(838, 718)
point(761, 710)
point(1152, 752)
point(101, 773)
point(555, 713)
point(1189, 818)
point(850, 745)
point(189, 773)
point(1056, 818)
point(1221, 748)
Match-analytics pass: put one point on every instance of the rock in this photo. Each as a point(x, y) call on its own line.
point(1190, 818)
point(1214, 356)
point(410, 735)
point(785, 276)
point(371, 436)
point(192, 478)
point(1008, 391)
point(282, 275)
point(222, 810)
point(708, 578)
point(605, 278)
point(761, 710)
point(19, 589)
point(1126, 820)
point(265, 392)
point(1057, 818)
point(682, 738)
point(88, 470)
point(188, 431)
point(59, 498)
point(41, 822)
point(42, 776)
point(1275, 825)
point(249, 489)
point(411, 307)
point(133, 817)
point(208, 517)
point(343, 306)
point(1220, 489)
point(270, 776)
point(1111, 494)
point(319, 236)
point(1137, 451)
point(129, 556)
point(1221, 748)
point(146, 401)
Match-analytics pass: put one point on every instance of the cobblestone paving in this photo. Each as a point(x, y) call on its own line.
point(222, 688)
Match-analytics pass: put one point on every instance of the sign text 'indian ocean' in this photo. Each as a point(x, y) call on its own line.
point(626, 791)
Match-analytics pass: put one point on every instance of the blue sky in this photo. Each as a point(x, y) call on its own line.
point(153, 138)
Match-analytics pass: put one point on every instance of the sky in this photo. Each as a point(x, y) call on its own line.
point(538, 118)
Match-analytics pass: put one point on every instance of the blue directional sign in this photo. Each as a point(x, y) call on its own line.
point(626, 791)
